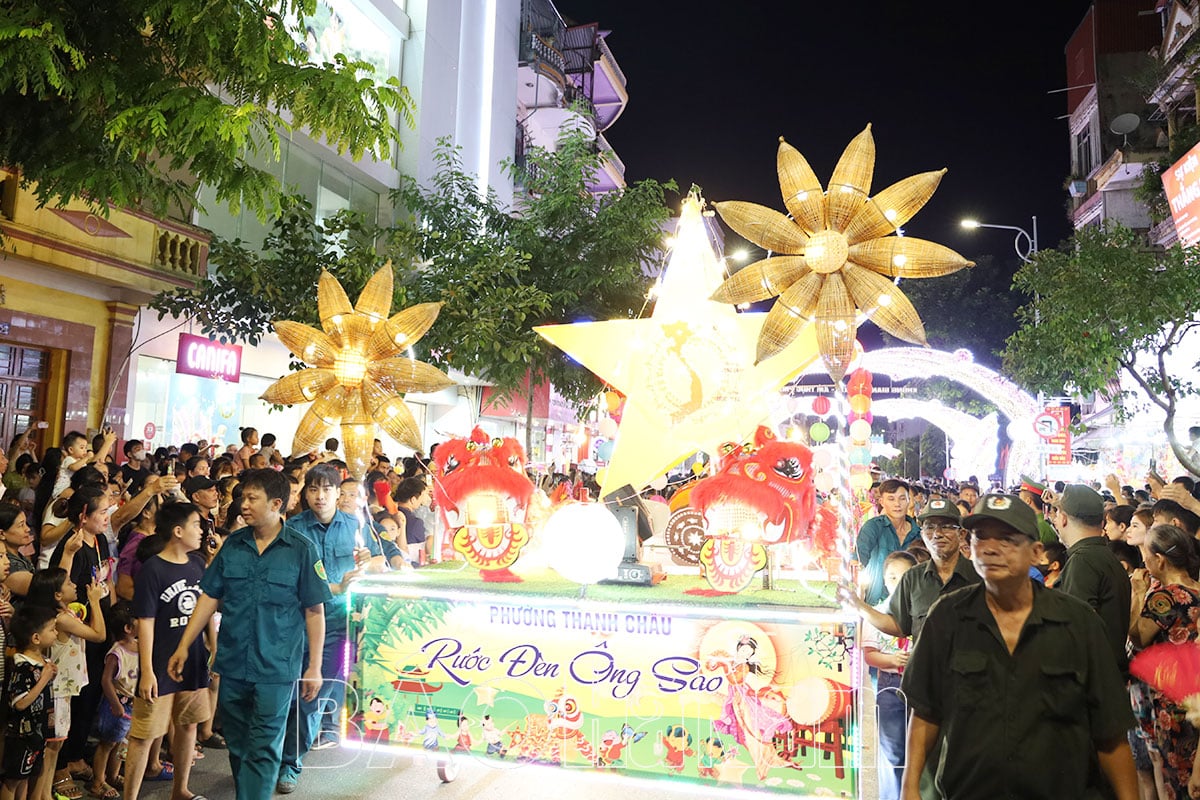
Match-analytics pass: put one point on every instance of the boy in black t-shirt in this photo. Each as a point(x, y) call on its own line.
point(32, 629)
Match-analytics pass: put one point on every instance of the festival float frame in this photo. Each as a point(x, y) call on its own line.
point(749, 693)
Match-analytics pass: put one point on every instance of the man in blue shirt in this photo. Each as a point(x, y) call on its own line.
point(883, 535)
point(270, 584)
point(346, 548)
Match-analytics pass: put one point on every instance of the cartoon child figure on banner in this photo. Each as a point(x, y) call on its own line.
point(431, 734)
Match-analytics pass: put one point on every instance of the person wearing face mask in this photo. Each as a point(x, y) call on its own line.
point(135, 470)
point(1050, 569)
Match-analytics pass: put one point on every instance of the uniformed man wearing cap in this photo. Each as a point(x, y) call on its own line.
point(1092, 573)
point(1031, 494)
point(917, 591)
point(1015, 680)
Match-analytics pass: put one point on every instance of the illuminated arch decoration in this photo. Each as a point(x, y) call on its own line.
point(1015, 403)
point(974, 441)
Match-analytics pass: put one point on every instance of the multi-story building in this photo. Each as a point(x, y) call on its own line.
point(474, 68)
point(1113, 134)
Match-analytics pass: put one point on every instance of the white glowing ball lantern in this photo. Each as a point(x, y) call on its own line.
point(607, 428)
point(584, 542)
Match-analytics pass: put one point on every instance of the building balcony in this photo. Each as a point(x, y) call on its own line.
point(608, 87)
point(136, 253)
point(541, 74)
point(611, 174)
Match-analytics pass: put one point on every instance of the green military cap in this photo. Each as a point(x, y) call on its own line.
point(1012, 511)
point(940, 508)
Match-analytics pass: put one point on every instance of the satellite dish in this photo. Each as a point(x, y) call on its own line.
point(1125, 125)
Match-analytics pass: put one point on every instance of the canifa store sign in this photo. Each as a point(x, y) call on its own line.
point(205, 358)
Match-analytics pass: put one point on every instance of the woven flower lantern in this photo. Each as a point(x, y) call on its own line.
point(357, 380)
point(837, 255)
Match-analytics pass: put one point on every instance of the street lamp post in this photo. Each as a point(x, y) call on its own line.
point(1026, 245)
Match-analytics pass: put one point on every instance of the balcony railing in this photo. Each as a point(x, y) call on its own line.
point(536, 49)
point(612, 61)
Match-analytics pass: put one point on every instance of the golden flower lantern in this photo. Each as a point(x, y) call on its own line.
point(357, 380)
point(837, 257)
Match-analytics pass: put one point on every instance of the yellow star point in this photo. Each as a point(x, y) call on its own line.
point(687, 371)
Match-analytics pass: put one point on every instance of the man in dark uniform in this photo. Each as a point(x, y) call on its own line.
point(1092, 573)
point(1015, 680)
point(919, 588)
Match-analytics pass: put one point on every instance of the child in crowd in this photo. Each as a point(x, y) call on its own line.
point(29, 701)
point(165, 594)
point(120, 685)
point(53, 588)
point(887, 656)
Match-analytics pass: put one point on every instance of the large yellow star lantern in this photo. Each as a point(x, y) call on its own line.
point(357, 379)
point(688, 371)
point(837, 255)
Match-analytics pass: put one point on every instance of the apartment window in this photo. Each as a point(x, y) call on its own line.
point(1084, 160)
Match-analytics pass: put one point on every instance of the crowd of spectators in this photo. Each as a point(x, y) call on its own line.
point(1039, 596)
point(140, 595)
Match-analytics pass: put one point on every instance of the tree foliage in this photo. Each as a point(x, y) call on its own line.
point(564, 256)
point(972, 308)
point(1106, 304)
point(129, 102)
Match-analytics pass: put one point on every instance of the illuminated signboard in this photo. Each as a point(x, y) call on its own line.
point(205, 358)
point(1182, 186)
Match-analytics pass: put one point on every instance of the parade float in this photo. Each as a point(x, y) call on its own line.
point(548, 641)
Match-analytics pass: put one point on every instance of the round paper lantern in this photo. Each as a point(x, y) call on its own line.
point(659, 483)
point(860, 482)
point(819, 432)
point(604, 450)
point(860, 430)
point(607, 428)
point(822, 458)
point(860, 455)
point(697, 468)
point(823, 481)
point(584, 542)
point(821, 405)
point(860, 403)
point(612, 401)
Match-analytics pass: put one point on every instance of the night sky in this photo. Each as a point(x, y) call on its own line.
point(713, 85)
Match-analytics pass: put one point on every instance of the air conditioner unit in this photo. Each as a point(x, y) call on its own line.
point(1077, 188)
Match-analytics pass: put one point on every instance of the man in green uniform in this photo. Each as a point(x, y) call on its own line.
point(1016, 680)
point(273, 585)
point(1092, 573)
point(1031, 495)
point(919, 588)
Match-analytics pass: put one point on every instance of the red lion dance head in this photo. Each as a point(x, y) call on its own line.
point(482, 491)
point(761, 495)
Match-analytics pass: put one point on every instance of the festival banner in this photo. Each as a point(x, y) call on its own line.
point(740, 698)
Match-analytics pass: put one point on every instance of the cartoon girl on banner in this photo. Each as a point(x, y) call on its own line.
point(753, 716)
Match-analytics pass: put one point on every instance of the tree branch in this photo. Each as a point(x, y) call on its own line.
point(1129, 367)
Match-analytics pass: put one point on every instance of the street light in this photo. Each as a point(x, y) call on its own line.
point(1025, 244)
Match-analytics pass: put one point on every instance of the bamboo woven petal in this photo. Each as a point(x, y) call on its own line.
point(837, 326)
point(766, 228)
point(802, 192)
point(358, 434)
point(392, 414)
point(791, 312)
point(907, 257)
point(307, 344)
point(761, 280)
point(299, 387)
point(321, 416)
point(355, 331)
point(376, 298)
point(407, 375)
point(882, 214)
point(851, 181)
point(331, 301)
point(884, 303)
point(402, 330)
